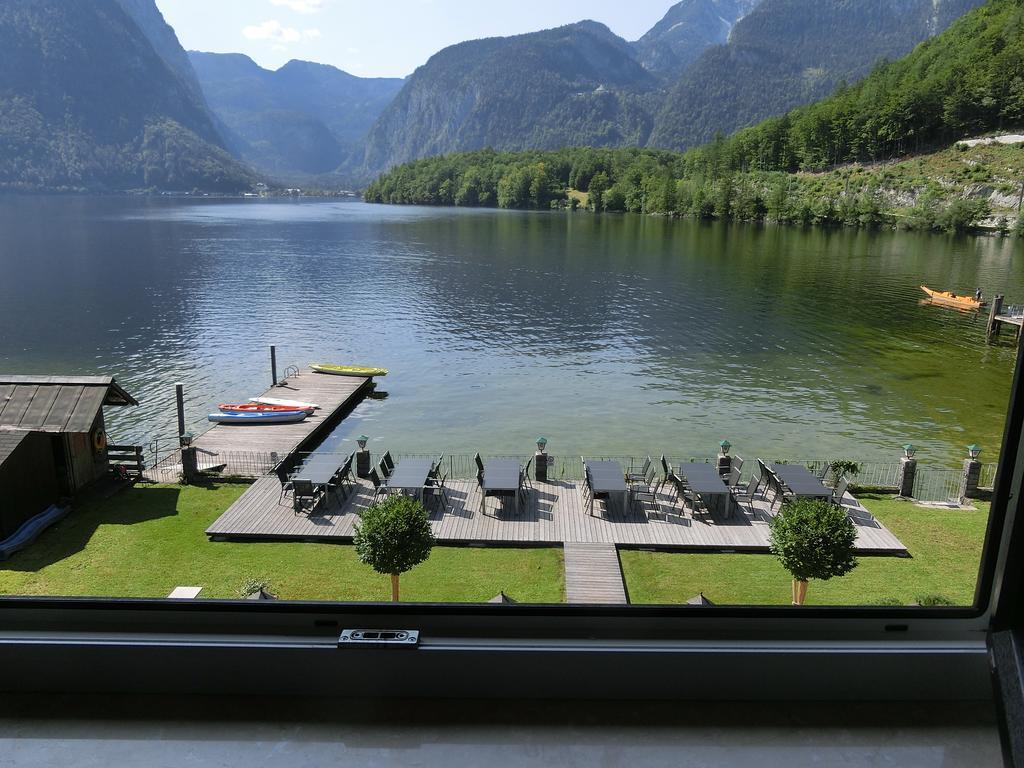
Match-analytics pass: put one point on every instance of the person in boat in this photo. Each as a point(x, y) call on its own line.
point(977, 294)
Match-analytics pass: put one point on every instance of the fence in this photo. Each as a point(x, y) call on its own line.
point(939, 485)
point(987, 480)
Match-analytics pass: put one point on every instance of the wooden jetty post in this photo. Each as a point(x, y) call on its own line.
point(179, 398)
point(189, 464)
point(273, 365)
point(993, 318)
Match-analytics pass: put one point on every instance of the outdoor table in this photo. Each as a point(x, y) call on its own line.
point(801, 481)
point(703, 479)
point(501, 478)
point(319, 470)
point(607, 477)
point(411, 475)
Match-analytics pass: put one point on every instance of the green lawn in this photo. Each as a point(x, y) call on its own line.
point(945, 547)
point(147, 540)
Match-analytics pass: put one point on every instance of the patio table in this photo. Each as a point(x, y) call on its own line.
point(501, 478)
point(703, 479)
point(410, 475)
point(607, 477)
point(801, 481)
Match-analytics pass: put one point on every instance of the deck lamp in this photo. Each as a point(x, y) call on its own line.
point(909, 450)
point(361, 441)
point(973, 450)
point(725, 445)
point(542, 444)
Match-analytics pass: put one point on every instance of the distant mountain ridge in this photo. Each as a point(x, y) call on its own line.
point(687, 30)
point(577, 84)
point(303, 118)
point(791, 52)
point(87, 102)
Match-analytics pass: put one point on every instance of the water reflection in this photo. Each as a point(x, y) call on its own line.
point(608, 334)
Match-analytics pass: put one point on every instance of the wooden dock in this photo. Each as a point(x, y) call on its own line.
point(249, 450)
point(553, 516)
point(1000, 315)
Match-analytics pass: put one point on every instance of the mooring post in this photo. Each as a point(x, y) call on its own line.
point(273, 365)
point(993, 323)
point(179, 397)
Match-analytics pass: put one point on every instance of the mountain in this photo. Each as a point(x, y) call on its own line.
point(817, 163)
point(164, 41)
point(687, 30)
point(785, 53)
point(577, 84)
point(86, 102)
point(303, 118)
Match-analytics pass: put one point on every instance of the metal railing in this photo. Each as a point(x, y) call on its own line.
point(987, 479)
point(938, 485)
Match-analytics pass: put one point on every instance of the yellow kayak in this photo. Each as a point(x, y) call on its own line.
point(347, 370)
point(952, 299)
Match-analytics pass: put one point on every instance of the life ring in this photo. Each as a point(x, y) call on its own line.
point(99, 440)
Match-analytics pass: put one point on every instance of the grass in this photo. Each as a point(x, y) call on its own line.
point(147, 540)
point(945, 547)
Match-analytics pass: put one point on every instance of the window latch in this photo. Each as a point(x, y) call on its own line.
point(379, 637)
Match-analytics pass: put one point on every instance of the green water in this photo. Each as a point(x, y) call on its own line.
point(615, 335)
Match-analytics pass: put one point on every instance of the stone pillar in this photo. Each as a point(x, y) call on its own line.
point(724, 464)
point(969, 481)
point(363, 463)
point(908, 471)
point(540, 466)
point(189, 465)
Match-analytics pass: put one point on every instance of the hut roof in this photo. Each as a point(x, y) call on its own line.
point(56, 403)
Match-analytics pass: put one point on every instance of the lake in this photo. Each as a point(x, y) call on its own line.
point(616, 335)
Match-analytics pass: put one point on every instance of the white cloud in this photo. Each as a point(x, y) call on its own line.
point(311, 34)
point(272, 29)
point(301, 6)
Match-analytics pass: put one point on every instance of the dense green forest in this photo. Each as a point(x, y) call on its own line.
point(969, 80)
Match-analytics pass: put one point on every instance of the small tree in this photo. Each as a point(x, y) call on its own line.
point(394, 536)
point(813, 540)
point(842, 467)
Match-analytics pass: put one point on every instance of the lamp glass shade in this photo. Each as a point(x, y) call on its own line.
point(725, 445)
point(974, 450)
point(909, 450)
point(542, 443)
point(361, 441)
point(186, 439)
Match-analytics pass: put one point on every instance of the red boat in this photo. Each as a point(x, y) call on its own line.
point(260, 408)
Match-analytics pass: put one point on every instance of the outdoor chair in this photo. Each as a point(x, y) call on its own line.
point(286, 482)
point(638, 477)
point(526, 473)
point(737, 463)
point(763, 475)
point(840, 491)
point(387, 463)
point(666, 468)
point(345, 475)
point(479, 464)
point(380, 488)
point(435, 488)
point(697, 505)
point(304, 496)
point(734, 477)
point(648, 495)
point(438, 463)
point(747, 495)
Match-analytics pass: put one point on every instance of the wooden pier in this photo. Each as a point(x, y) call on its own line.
point(554, 515)
point(252, 450)
point(1000, 316)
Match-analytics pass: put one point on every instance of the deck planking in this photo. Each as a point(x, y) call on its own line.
point(554, 515)
point(593, 575)
point(334, 395)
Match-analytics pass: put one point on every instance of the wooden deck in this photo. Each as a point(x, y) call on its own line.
point(334, 394)
point(593, 574)
point(554, 515)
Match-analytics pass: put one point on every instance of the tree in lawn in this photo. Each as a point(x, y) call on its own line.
point(394, 536)
point(813, 540)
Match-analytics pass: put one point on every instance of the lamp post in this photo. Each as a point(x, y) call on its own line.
point(362, 457)
point(908, 471)
point(540, 460)
point(972, 473)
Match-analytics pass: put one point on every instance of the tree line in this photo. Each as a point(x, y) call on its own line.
point(967, 81)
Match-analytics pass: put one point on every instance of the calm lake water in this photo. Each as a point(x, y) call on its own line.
point(610, 335)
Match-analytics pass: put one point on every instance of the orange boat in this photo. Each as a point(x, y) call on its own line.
point(950, 299)
point(260, 408)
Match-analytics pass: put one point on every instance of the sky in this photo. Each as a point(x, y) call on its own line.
point(381, 38)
